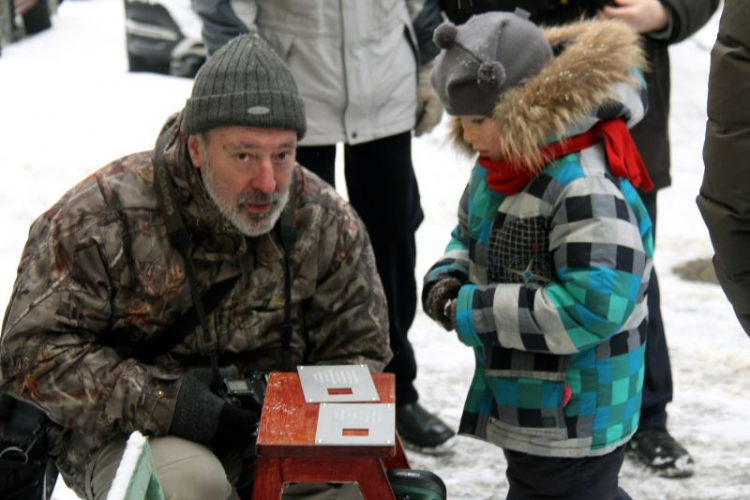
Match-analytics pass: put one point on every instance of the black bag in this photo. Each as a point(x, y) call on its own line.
point(26, 472)
point(414, 484)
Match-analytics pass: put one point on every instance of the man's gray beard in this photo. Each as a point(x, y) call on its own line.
point(247, 224)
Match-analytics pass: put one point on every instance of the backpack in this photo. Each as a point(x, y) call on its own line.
point(26, 470)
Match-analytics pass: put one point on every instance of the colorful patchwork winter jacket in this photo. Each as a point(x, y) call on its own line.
point(99, 280)
point(554, 277)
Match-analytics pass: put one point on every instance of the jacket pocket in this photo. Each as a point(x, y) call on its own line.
point(518, 251)
point(529, 392)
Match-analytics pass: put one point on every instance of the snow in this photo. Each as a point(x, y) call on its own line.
point(68, 106)
point(136, 448)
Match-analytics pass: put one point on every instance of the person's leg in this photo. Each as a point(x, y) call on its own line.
point(652, 444)
point(657, 384)
point(383, 190)
point(320, 160)
point(587, 478)
point(186, 470)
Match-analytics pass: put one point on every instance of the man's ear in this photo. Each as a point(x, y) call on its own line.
point(195, 146)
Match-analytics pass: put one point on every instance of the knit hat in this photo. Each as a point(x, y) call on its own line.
point(245, 83)
point(484, 57)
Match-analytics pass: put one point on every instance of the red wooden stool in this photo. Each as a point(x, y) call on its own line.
point(287, 451)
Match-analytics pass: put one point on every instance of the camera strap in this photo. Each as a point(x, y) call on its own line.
point(186, 323)
point(287, 235)
point(180, 238)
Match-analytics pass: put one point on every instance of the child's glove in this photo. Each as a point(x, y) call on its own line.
point(441, 302)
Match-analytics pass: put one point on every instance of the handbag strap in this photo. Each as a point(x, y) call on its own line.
point(186, 323)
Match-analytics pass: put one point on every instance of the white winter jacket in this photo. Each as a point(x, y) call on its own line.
point(355, 61)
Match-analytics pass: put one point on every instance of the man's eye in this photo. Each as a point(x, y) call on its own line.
point(244, 157)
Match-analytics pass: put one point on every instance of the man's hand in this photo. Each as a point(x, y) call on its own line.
point(23, 6)
point(429, 108)
point(203, 417)
point(237, 430)
point(644, 16)
point(441, 302)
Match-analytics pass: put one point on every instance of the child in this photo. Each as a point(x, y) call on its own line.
point(546, 273)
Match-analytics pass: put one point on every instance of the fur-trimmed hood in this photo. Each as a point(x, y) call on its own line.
point(595, 76)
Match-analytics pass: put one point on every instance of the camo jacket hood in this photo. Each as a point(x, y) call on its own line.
point(98, 279)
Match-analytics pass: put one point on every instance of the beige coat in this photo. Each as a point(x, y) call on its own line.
point(355, 62)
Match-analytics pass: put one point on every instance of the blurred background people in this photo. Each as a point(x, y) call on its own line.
point(24, 17)
point(724, 201)
point(358, 66)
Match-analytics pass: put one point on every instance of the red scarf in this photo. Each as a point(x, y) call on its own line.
point(510, 176)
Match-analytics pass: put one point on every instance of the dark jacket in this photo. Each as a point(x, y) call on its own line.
point(687, 17)
point(98, 280)
point(724, 199)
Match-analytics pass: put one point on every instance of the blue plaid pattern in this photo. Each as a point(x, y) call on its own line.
point(554, 307)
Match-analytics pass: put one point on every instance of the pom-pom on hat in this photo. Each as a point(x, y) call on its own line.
point(245, 83)
point(484, 57)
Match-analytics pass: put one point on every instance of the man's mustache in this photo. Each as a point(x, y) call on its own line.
point(258, 198)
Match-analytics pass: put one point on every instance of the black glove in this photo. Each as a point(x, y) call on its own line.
point(237, 429)
point(203, 417)
point(441, 302)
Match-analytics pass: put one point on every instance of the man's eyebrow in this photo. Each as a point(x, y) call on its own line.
point(249, 145)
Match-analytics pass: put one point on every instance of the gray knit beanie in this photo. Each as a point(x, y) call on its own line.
point(245, 83)
point(488, 55)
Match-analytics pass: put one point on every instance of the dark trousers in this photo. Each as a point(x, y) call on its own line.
point(383, 190)
point(657, 384)
point(532, 477)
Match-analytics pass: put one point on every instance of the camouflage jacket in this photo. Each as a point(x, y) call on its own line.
point(98, 279)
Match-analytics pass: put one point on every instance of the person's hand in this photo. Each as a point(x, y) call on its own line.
point(203, 417)
point(238, 429)
point(23, 6)
point(429, 107)
point(441, 302)
point(644, 16)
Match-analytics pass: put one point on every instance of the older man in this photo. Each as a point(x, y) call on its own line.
point(213, 256)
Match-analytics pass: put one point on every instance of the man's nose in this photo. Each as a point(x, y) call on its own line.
point(265, 179)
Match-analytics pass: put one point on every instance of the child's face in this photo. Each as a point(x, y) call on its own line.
point(480, 132)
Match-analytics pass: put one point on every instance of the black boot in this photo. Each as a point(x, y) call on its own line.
point(659, 451)
point(422, 431)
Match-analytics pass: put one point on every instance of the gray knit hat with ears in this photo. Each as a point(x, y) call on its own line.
point(245, 83)
point(488, 55)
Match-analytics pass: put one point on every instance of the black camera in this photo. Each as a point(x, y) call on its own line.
point(246, 393)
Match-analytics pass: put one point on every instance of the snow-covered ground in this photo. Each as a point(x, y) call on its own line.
point(68, 106)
